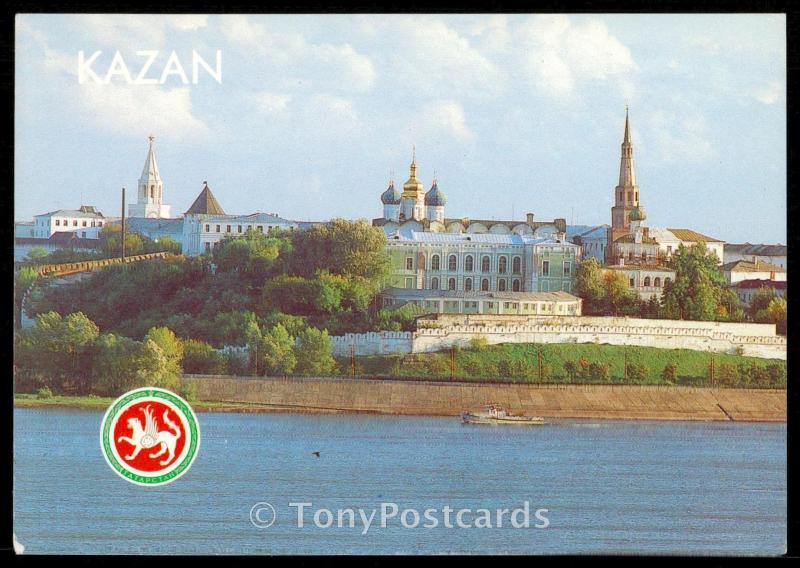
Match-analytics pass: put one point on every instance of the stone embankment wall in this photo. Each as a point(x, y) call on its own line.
point(390, 396)
point(753, 339)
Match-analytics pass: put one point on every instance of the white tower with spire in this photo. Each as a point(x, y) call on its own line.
point(150, 196)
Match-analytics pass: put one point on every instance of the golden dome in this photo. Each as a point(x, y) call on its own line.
point(413, 185)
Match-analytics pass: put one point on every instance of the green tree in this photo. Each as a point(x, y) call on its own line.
point(36, 255)
point(153, 367)
point(353, 248)
point(200, 358)
point(115, 365)
point(277, 352)
point(619, 298)
point(699, 291)
point(776, 310)
point(57, 348)
point(589, 285)
point(759, 304)
point(670, 373)
point(252, 253)
point(171, 346)
point(313, 353)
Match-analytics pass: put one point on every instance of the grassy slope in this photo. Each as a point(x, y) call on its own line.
point(491, 362)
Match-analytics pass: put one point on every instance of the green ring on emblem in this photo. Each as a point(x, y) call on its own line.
point(150, 392)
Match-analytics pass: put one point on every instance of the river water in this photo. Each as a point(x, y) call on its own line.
point(607, 486)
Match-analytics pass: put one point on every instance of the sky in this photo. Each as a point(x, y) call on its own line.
point(314, 114)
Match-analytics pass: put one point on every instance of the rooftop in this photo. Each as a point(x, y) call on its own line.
point(205, 204)
point(748, 266)
point(630, 238)
point(758, 250)
point(754, 283)
point(86, 211)
point(689, 236)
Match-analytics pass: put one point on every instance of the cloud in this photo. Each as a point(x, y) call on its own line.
point(330, 108)
point(679, 136)
point(141, 110)
point(272, 103)
point(429, 56)
point(133, 32)
point(446, 118)
point(769, 94)
point(562, 54)
point(323, 66)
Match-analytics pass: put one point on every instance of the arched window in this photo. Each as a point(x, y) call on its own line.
point(451, 284)
point(516, 265)
point(501, 285)
point(435, 262)
point(434, 283)
point(620, 195)
point(647, 281)
point(468, 284)
point(515, 285)
point(468, 263)
point(451, 263)
point(657, 282)
point(667, 280)
point(485, 285)
point(502, 265)
point(152, 187)
point(644, 256)
point(485, 264)
point(630, 256)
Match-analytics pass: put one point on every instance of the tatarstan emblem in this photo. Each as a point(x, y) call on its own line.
point(150, 436)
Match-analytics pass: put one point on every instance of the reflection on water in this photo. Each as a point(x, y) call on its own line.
point(656, 487)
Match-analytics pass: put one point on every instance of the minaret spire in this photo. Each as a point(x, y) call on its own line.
point(627, 138)
point(627, 174)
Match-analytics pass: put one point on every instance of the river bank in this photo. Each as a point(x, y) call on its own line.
point(430, 398)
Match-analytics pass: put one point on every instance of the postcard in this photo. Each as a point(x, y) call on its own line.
point(379, 284)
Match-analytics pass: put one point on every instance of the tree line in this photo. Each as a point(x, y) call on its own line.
point(698, 292)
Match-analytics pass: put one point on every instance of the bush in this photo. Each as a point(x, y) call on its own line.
point(478, 343)
point(638, 372)
point(670, 373)
point(600, 372)
point(44, 393)
point(728, 375)
point(202, 359)
point(777, 374)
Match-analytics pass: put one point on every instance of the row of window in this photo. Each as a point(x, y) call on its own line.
point(632, 195)
point(65, 223)
point(469, 263)
point(502, 284)
point(656, 281)
point(452, 265)
point(242, 228)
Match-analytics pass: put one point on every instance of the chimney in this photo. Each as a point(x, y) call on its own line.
point(529, 218)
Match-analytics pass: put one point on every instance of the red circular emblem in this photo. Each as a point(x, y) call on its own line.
point(159, 431)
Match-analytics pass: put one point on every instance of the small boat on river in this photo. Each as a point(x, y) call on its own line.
point(496, 414)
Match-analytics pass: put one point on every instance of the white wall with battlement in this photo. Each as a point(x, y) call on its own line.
point(372, 343)
point(755, 340)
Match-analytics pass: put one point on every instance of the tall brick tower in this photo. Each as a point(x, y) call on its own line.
point(626, 194)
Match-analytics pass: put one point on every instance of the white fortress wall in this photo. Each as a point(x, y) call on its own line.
point(756, 340)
